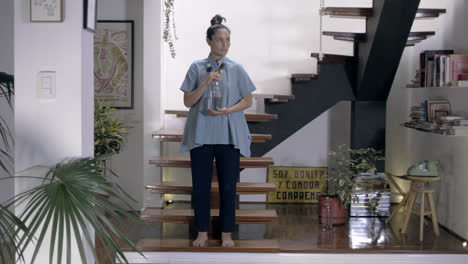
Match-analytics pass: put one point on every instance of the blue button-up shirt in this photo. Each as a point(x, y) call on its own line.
point(203, 128)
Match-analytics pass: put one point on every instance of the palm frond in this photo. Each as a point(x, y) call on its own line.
point(7, 87)
point(69, 202)
point(6, 140)
point(6, 91)
point(10, 225)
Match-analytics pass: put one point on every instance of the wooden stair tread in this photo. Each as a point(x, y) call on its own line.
point(302, 77)
point(274, 98)
point(184, 245)
point(249, 116)
point(347, 11)
point(368, 11)
point(429, 12)
point(421, 33)
point(279, 96)
point(416, 37)
point(185, 216)
point(413, 38)
point(349, 36)
point(184, 162)
point(186, 188)
point(331, 58)
point(175, 135)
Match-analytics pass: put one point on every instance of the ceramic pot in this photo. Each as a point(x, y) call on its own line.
point(337, 210)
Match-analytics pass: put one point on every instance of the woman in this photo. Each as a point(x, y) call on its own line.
point(216, 134)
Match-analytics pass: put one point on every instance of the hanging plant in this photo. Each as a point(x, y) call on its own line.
point(169, 33)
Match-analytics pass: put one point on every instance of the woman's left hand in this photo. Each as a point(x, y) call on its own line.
point(222, 111)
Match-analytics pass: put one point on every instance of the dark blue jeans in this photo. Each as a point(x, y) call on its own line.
point(227, 166)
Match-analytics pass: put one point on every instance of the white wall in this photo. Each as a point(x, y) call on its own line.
point(6, 65)
point(153, 110)
point(271, 38)
point(128, 164)
point(6, 41)
point(348, 3)
point(47, 131)
point(132, 164)
point(406, 146)
point(52, 129)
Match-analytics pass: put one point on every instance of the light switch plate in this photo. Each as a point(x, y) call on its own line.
point(46, 84)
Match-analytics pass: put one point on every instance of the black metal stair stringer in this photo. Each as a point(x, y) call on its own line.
point(387, 32)
point(312, 99)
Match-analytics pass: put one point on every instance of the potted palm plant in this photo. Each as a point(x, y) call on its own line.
point(109, 131)
point(7, 234)
point(346, 165)
point(66, 202)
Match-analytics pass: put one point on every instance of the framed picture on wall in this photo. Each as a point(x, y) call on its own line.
point(113, 63)
point(89, 15)
point(46, 10)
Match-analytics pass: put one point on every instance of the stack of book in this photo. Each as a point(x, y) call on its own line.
point(430, 110)
point(460, 128)
point(417, 112)
point(439, 68)
point(371, 196)
point(436, 109)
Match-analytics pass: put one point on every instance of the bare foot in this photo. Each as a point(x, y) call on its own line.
point(201, 240)
point(227, 240)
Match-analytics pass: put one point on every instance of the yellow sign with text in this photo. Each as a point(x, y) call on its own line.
point(297, 184)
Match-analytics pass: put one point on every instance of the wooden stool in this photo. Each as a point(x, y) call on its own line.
point(417, 186)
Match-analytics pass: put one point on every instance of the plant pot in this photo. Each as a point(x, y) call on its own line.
point(337, 210)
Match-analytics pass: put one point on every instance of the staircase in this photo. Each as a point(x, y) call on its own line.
point(185, 216)
point(364, 79)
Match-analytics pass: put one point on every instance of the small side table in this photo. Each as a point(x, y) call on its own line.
point(418, 185)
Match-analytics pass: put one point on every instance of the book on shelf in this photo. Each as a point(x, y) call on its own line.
point(458, 131)
point(428, 68)
point(439, 68)
point(435, 109)
point(417, 112)
point(460, 83)
point(459, 67)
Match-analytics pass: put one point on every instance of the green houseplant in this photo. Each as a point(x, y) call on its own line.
point(66, 200)
point(169, 23)
point(109, 131)
point(6, 95)
point(346, 165)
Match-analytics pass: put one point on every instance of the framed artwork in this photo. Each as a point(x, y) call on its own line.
point(113, 63)
point(89, 15)
point(46, 10)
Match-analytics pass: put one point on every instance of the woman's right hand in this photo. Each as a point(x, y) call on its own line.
point(212, 76)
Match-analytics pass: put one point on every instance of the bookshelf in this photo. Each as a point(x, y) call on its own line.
point(456, 95)
point(433, 133)
point(440, 87)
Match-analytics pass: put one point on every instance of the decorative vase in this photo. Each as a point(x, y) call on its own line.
point(337, 210)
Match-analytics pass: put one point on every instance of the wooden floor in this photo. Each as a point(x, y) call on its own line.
point(297, 230)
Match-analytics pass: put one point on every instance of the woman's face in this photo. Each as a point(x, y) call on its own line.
point(220, 42)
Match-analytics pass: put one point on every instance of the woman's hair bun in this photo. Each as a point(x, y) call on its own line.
point(217, 19)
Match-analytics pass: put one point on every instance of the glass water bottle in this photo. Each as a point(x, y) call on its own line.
point(327, 219)
point(216, 96)
point(216, 93)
